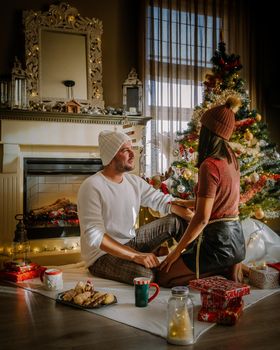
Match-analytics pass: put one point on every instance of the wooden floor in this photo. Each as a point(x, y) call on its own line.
point(32, 321)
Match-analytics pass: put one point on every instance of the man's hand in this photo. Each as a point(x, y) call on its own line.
point(111, 246)
point(182, 211)
point(149, 260)
point(187, 203)
point(188, 214)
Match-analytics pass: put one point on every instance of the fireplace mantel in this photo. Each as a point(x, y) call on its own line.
point(80, 118)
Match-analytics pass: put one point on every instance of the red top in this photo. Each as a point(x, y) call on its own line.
point(220, 180)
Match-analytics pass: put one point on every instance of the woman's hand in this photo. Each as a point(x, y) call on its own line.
point(170, 260)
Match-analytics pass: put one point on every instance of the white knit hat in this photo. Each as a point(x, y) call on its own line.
point(109, 144)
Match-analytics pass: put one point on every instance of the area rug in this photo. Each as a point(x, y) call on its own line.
point(151, 318)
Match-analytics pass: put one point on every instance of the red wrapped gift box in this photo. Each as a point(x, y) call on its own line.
point(18, 276)
point(228, 316)
point(212, 302)
point(221, 299)
point(221, 287)
point(19, 266)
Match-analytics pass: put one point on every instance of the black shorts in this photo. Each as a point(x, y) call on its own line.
point(222, 246)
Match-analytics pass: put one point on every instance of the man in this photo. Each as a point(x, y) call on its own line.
point(108, 206)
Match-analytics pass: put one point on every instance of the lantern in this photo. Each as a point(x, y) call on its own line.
point(21, 246)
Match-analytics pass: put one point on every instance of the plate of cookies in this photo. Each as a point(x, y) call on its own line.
point(84, 296)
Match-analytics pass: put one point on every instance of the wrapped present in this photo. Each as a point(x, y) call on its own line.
point(19, 266)
point(18, 276)
point(212, 302)
point(228, 316)
point(265, 278)
point(275, 266)
point(221, 299)
point(205, 315)
point(221, 287)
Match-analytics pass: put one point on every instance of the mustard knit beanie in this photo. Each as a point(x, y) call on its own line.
point(220, 120)
point(109, 144)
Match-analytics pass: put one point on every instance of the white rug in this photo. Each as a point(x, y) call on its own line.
point(151, 318)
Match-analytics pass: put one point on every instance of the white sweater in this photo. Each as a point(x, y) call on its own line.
point(108, 207)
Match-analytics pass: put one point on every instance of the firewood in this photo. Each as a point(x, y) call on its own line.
point(59, 203)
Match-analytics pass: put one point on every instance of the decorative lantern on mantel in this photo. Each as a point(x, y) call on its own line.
point(132, 94)
point(21, 246)
point(4, 92)
point(18, 89)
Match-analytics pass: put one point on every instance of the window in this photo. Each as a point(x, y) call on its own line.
point(179, 47)
point(180, 37)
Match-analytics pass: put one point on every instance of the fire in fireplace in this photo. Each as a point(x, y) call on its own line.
point(50, 194)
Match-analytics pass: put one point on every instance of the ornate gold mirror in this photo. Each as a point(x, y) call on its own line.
point(63, 56)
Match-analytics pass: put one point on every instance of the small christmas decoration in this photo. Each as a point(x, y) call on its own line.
point(181, 188)
point(72, 106)
point(259, 214)
point(254, 177)
point(258, 117)
point(187, 174)
point(248, 136)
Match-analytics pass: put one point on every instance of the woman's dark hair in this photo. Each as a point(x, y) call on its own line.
point(211, 145)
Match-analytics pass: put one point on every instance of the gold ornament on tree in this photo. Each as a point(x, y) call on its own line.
point(248, 136)
point(187, 174)
point(259, 214)
point(258, 117)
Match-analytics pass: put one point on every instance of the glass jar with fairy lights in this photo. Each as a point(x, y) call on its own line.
point(180, 325)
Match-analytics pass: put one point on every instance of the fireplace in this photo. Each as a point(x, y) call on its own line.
point(50, 187)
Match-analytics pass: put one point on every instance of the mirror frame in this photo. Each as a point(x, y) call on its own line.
point(65, 19)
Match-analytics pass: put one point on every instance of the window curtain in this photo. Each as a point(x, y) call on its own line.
point(179, 38)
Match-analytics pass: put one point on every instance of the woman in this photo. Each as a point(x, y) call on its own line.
point(213, 241)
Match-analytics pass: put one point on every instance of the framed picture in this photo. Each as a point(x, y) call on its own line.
point(132, 94)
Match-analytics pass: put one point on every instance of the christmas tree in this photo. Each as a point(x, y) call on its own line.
point(257, 155)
